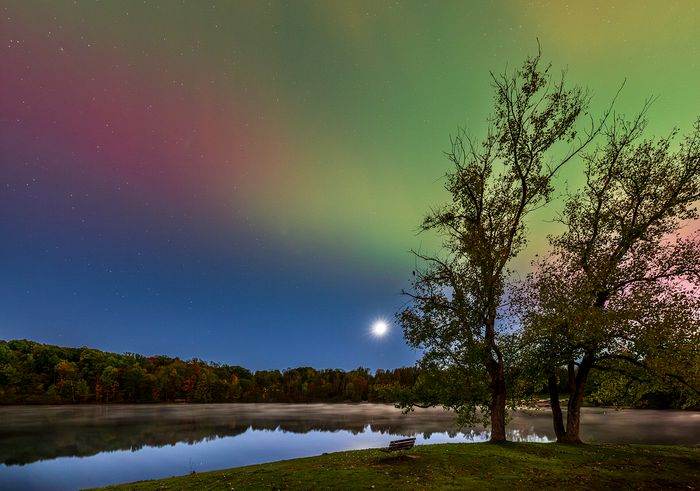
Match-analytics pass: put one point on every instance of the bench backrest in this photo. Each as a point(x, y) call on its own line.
point(399, 444)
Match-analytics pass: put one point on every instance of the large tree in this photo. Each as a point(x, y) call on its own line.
point(496, 182)
point(619, 292)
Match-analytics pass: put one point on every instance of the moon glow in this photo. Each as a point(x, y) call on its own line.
point(380, 328)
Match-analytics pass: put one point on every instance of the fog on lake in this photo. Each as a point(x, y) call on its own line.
point(69, 447)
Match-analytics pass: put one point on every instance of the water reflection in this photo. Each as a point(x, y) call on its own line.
point(39, 433)
point(65, 447)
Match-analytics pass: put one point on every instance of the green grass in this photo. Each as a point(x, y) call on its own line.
point(462, 466)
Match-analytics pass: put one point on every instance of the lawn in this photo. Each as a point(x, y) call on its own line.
point(462, 466)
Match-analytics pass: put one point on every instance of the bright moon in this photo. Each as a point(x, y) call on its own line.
point(380, 328)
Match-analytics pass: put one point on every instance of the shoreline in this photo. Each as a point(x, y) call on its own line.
point(460, 466)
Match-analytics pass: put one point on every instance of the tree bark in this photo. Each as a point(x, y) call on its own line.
point(496, 371)
point(573, 411)
point(498, 404)
point(557, 416)
point(577, 385)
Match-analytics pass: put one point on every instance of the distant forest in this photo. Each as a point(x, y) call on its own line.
point(35, 373)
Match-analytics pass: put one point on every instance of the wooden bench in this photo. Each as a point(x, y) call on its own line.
point(396, 445)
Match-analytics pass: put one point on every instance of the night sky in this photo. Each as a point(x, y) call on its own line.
point(241, 181)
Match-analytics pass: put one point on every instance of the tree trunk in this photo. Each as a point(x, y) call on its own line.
point(496, 371)
point(557, 416)
point(498, 404)
point(573, 411)
point(577, 384)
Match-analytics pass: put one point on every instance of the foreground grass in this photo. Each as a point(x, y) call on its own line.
point(462, 466)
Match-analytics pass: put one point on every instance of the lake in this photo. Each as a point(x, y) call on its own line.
point(72, 447)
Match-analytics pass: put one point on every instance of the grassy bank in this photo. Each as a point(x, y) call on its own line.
point(463, 466)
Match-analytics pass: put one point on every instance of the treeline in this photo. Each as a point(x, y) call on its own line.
point(35, 373)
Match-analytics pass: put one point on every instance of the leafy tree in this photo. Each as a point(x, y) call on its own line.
point(268, 385)
point(136, 384)
point(619, 292)
point(69, 383)
point(109, 383)
point(496, 182)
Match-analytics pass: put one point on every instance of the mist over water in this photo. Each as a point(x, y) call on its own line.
point(69, 447)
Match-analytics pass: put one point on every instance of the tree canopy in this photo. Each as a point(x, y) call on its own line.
point(619, 291)
point(495, 183)
point(37, 373)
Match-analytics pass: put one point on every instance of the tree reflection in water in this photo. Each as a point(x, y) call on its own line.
point(29, 434)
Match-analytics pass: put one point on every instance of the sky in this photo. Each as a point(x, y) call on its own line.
point(242, 182)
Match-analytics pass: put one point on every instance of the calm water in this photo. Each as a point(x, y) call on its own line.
point(72, 447)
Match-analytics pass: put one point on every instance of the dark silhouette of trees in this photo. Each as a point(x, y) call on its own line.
point(496, 182)
point(619, 292)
